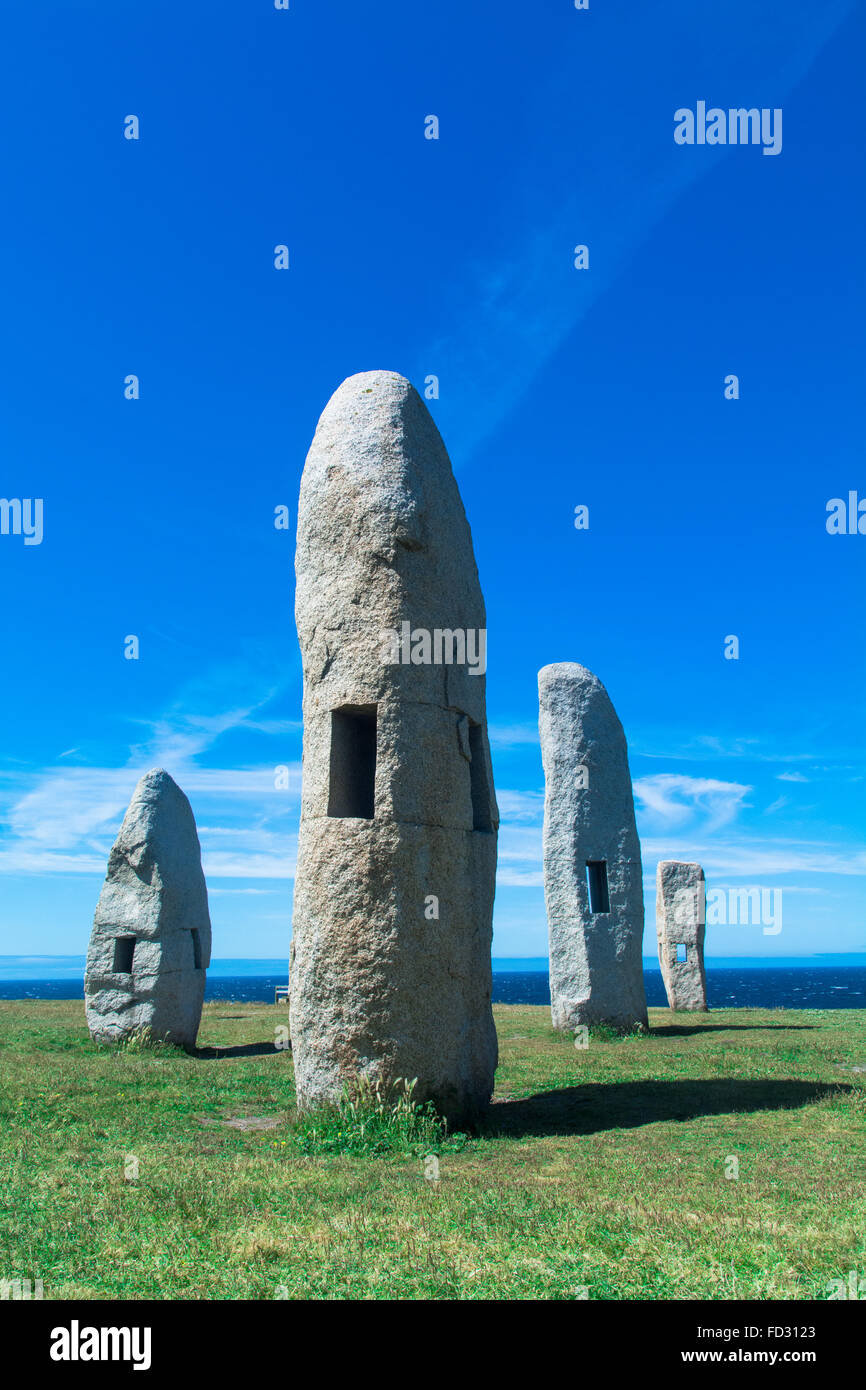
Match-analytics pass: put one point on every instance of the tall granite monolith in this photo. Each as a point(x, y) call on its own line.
point(680, 928)
point(391, 970)
point(592, 866)
point(150, 944)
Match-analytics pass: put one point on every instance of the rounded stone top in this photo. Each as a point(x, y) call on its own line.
point(156, 788)
point(571, 694)
point(157, 777)
point(382, 537)
point(373, 420)
point(566, 671)
point(380, 386)
point(159, 816)
point(368, 381)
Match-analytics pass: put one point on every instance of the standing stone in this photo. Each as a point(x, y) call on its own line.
point(592, 868)
point(681, 927)
point(150, 944)
point(391, 970)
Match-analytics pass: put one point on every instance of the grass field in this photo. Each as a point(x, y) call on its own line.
point(602, 1172)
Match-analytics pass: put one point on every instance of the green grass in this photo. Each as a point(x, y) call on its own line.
point(368, 1120)
point(602, 1168)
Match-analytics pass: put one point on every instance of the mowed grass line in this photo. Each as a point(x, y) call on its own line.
point(602, 1169)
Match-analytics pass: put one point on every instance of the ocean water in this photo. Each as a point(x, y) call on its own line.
point(745, 987)
point(763, 987)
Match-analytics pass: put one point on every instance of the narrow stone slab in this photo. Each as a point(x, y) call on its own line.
point(681, 928)
point(391, 972)
point(151, 939)
point(593, 887)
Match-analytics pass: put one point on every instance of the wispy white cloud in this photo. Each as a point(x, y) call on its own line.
point(63, 820)
point(508, 877)
point(759, 859)
point(671, 745)
point(512, 735)
point(68, 824)
point(520, 849)
point(278, 861)
point(519, 844)
point(20, 859)
point(675, 798)
point(516, 806)
point(689, 814)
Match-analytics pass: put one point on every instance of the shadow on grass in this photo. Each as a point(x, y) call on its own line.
point(677, 1030)
point(214, 1054)
point(630, 1104)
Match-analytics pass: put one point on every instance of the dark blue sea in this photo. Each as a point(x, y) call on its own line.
point(765, 986)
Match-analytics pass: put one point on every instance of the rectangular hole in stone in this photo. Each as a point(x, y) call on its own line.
point(481, 819)
point(682, 953)
point(196, 948)
point(596, 882)
point(352, 783)
point(124, 950)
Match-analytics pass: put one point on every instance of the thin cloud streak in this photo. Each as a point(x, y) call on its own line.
point(67, 821)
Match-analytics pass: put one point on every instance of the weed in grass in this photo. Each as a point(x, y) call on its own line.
point(143, 1041)
point(371, 1119)
point(608, 1033)
point(604, 1033)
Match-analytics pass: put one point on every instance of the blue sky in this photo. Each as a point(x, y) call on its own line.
point(558, 387)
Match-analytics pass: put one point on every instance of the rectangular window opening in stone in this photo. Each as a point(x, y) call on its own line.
point(481, 819)
point(196, 948)
point(352, 784)
point(596, 881)
point(682, 953)
point(124, 949)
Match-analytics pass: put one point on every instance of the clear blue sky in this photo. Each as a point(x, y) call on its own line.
point(558, 387)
